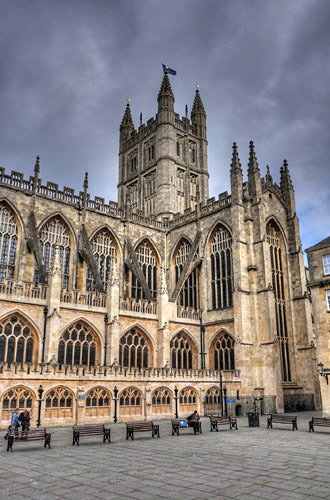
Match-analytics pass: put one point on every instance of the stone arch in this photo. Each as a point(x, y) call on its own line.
point(151, 243)
point(105, 247)
point(188, 399)
point(278, 266)
point(66, 221)
point(19, 338)
point(65, 238)
point(59, 403)
point(177, 242)
point(11, 238)
point(136, 348)
point(183, 351)
point(131, 401)
point(18, 397)
point(220, 267)
point(81, 343)
point(161, 400)
point(272, 219)
point(149, 261)
point(188, 297)
point(98, 402)
point(212, 400)
point(222, 351)
point(212, 229)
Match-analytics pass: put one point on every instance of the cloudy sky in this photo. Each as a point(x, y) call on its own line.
point(68, 67)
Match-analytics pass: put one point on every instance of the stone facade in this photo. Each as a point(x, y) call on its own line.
point(319, 286)
point(164, 290)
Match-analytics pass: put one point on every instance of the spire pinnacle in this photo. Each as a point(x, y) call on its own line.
point(253, 164)
point(37, 166)
point(198, 106)
point(86, 181)
point(285, 181)
point(165, 88)
point(236, 166)
point(127, 120)
point(268, 177)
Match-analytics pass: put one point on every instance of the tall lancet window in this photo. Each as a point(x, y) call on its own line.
point(8, 242)
point(189, 294)
point(221, 268)
point(277, 259)
point(146, 257)
point(55, 232)
point(104, 249)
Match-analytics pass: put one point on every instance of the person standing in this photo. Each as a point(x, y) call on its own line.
point(14, 424)
point(27, 420)
point(21, 420)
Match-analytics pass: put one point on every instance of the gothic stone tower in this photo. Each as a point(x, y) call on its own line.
point(163, 165)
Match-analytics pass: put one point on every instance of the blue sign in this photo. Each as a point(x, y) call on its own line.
point(230, 400)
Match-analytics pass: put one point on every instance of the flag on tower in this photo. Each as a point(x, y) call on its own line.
point(168, 70)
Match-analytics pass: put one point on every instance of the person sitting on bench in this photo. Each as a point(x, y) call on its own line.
point(194, 420)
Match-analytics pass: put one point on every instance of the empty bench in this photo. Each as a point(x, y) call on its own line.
point(216, 421)
point(179, 423)
point(132, 427)
point(30, 435)
point(282, 419)
point(319, 421)
point(90, 430)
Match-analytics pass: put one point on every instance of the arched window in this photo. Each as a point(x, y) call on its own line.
point(223, 352)
point(78, 346)
point(161, 396)
point(8, 242)
point(189, 294)
point(221, 268)
point(146, 257)
point(183, 353)
point(55, 232)
point(104, 250)
point(130, 401)
point(98, 402)
point(188, 399)
point(134, 350)
point(17, 397)
point(277, 252)
point(59, 403)
point(17, 341)
point(212, 396)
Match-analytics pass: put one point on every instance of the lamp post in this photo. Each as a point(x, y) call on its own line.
point(176, 401)
point(115, 394)
point(225, 398)
point(221, 397)
point(322, 371)
point(40, 393)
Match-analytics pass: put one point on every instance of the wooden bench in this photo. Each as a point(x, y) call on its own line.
point(215, 421)
point(30, 435)
point(132, 427)
point(282, 419)
point(319, 421)
point(178, 423)
point(90, 430)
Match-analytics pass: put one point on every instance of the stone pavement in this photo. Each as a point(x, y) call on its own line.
point(248, 464)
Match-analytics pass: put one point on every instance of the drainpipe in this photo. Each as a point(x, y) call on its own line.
point(44, 335)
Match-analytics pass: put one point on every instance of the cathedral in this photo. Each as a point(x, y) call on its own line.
point(163, 302)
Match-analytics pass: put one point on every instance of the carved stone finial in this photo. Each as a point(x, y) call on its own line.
point(236, 167)
point(162, 288)
point(56, 268)
point(253, 164)
point(268, 178)
point(114, 277)
point(37, 166)
point(86, 181)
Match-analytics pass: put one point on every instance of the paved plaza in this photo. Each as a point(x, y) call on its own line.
point(251, 463)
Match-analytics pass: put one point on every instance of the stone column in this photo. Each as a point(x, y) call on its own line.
point(53, 326)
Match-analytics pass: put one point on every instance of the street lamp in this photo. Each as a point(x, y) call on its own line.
point(40, 393)
point(322, 372)
point(225, 398)
point(176, 401)
point(221, 396)
point(115, 394)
